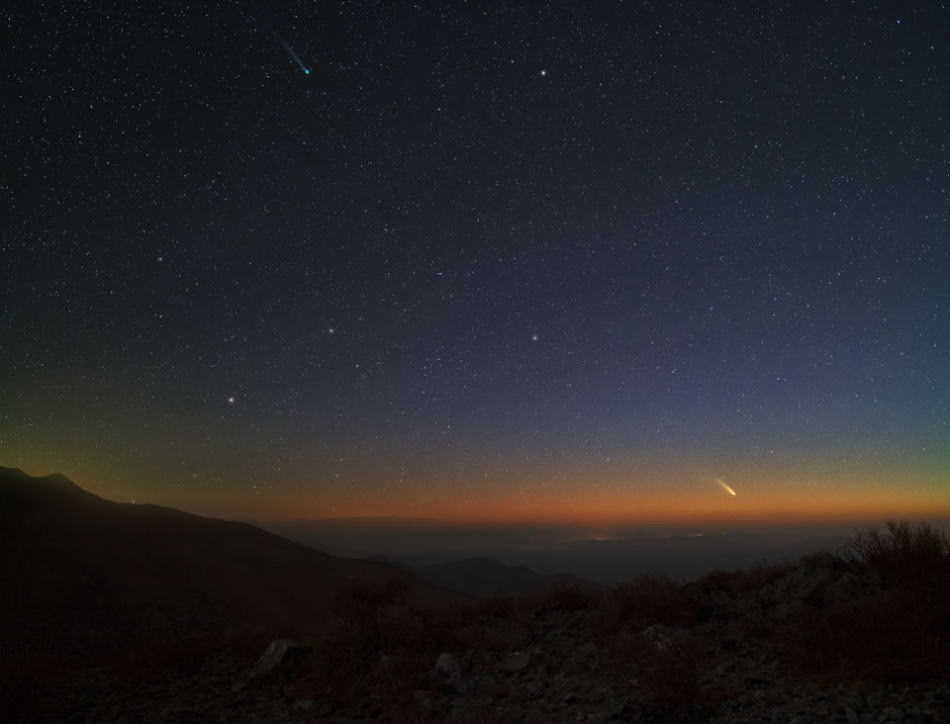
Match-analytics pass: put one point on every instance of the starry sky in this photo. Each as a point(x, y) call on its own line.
point(480, 260)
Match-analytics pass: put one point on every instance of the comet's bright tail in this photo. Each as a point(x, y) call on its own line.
point(722, 484)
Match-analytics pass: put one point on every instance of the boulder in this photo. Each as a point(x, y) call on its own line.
point(587, 649)
point(891, 713)
point(285, 653)
point(475, 684)
point(664, 637)
point(515, 662)
point(447, 664)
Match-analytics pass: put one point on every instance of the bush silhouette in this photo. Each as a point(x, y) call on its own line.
point(898, 630)
point(917, 556)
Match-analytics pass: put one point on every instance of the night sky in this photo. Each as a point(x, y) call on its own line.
point(516, 260)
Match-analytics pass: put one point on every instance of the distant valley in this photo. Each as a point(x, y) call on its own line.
point(561, 550)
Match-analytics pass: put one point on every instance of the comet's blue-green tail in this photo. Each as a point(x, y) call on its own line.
point(293, 55)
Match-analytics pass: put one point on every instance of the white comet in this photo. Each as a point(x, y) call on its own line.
point(722, 484)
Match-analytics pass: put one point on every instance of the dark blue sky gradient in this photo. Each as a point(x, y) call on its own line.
point(512, 236)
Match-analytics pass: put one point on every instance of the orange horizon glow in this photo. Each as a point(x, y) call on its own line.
point(598, 509)
point(606, 512)
point(645, 495)
point(561, 493)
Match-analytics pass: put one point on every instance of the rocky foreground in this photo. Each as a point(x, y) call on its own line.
point(823, 640)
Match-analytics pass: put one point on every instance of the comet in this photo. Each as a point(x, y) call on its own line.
point(293, 55)
point(722, 484)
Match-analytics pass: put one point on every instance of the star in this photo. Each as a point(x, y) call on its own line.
point(693, 321)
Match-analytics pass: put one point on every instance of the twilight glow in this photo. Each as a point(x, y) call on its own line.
point(499, 263)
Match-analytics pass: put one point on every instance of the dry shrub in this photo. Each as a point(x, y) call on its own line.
point(496, 624)
point(25, 682)
point(898, 629)
point(377, 616)
point(721, 577)
point(652, 599)
point(386, 649)
point(754, 577)
point(357, 608)
point(910, 556)
point(761, 573)
point(515, 609)
point(567, 598)
point(889, 637)
point(669, 670)
point(493, 624)
point(670, 674)
point(342, 672)
point(360, 678)
point(374, 619)
point(821, 559)
point(383, 650)
point(149, 660)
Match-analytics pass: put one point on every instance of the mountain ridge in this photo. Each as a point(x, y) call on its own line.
point(85, 576)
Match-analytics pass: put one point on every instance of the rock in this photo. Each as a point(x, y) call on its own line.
point(801, 719)
point(723, 669)
point(789, 593)
point(285, 653)
point(891, 713)
point(587, 649)
point(447, 664)
point(848, 587)
point(617, 707)
point(662, 636)
point(461, 709)
point(477, 684)
point(532, 689)
point(304, 704)
point(423, 698)
point(518, 661)
point(851, 714)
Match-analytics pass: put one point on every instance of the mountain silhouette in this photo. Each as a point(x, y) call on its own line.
point(87, 577)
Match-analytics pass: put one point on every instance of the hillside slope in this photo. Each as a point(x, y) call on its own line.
point(85, 577)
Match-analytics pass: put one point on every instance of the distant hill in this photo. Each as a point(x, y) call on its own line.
point(619, 556)
point(83, 576)
point(475, 575)
point(486, 577)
